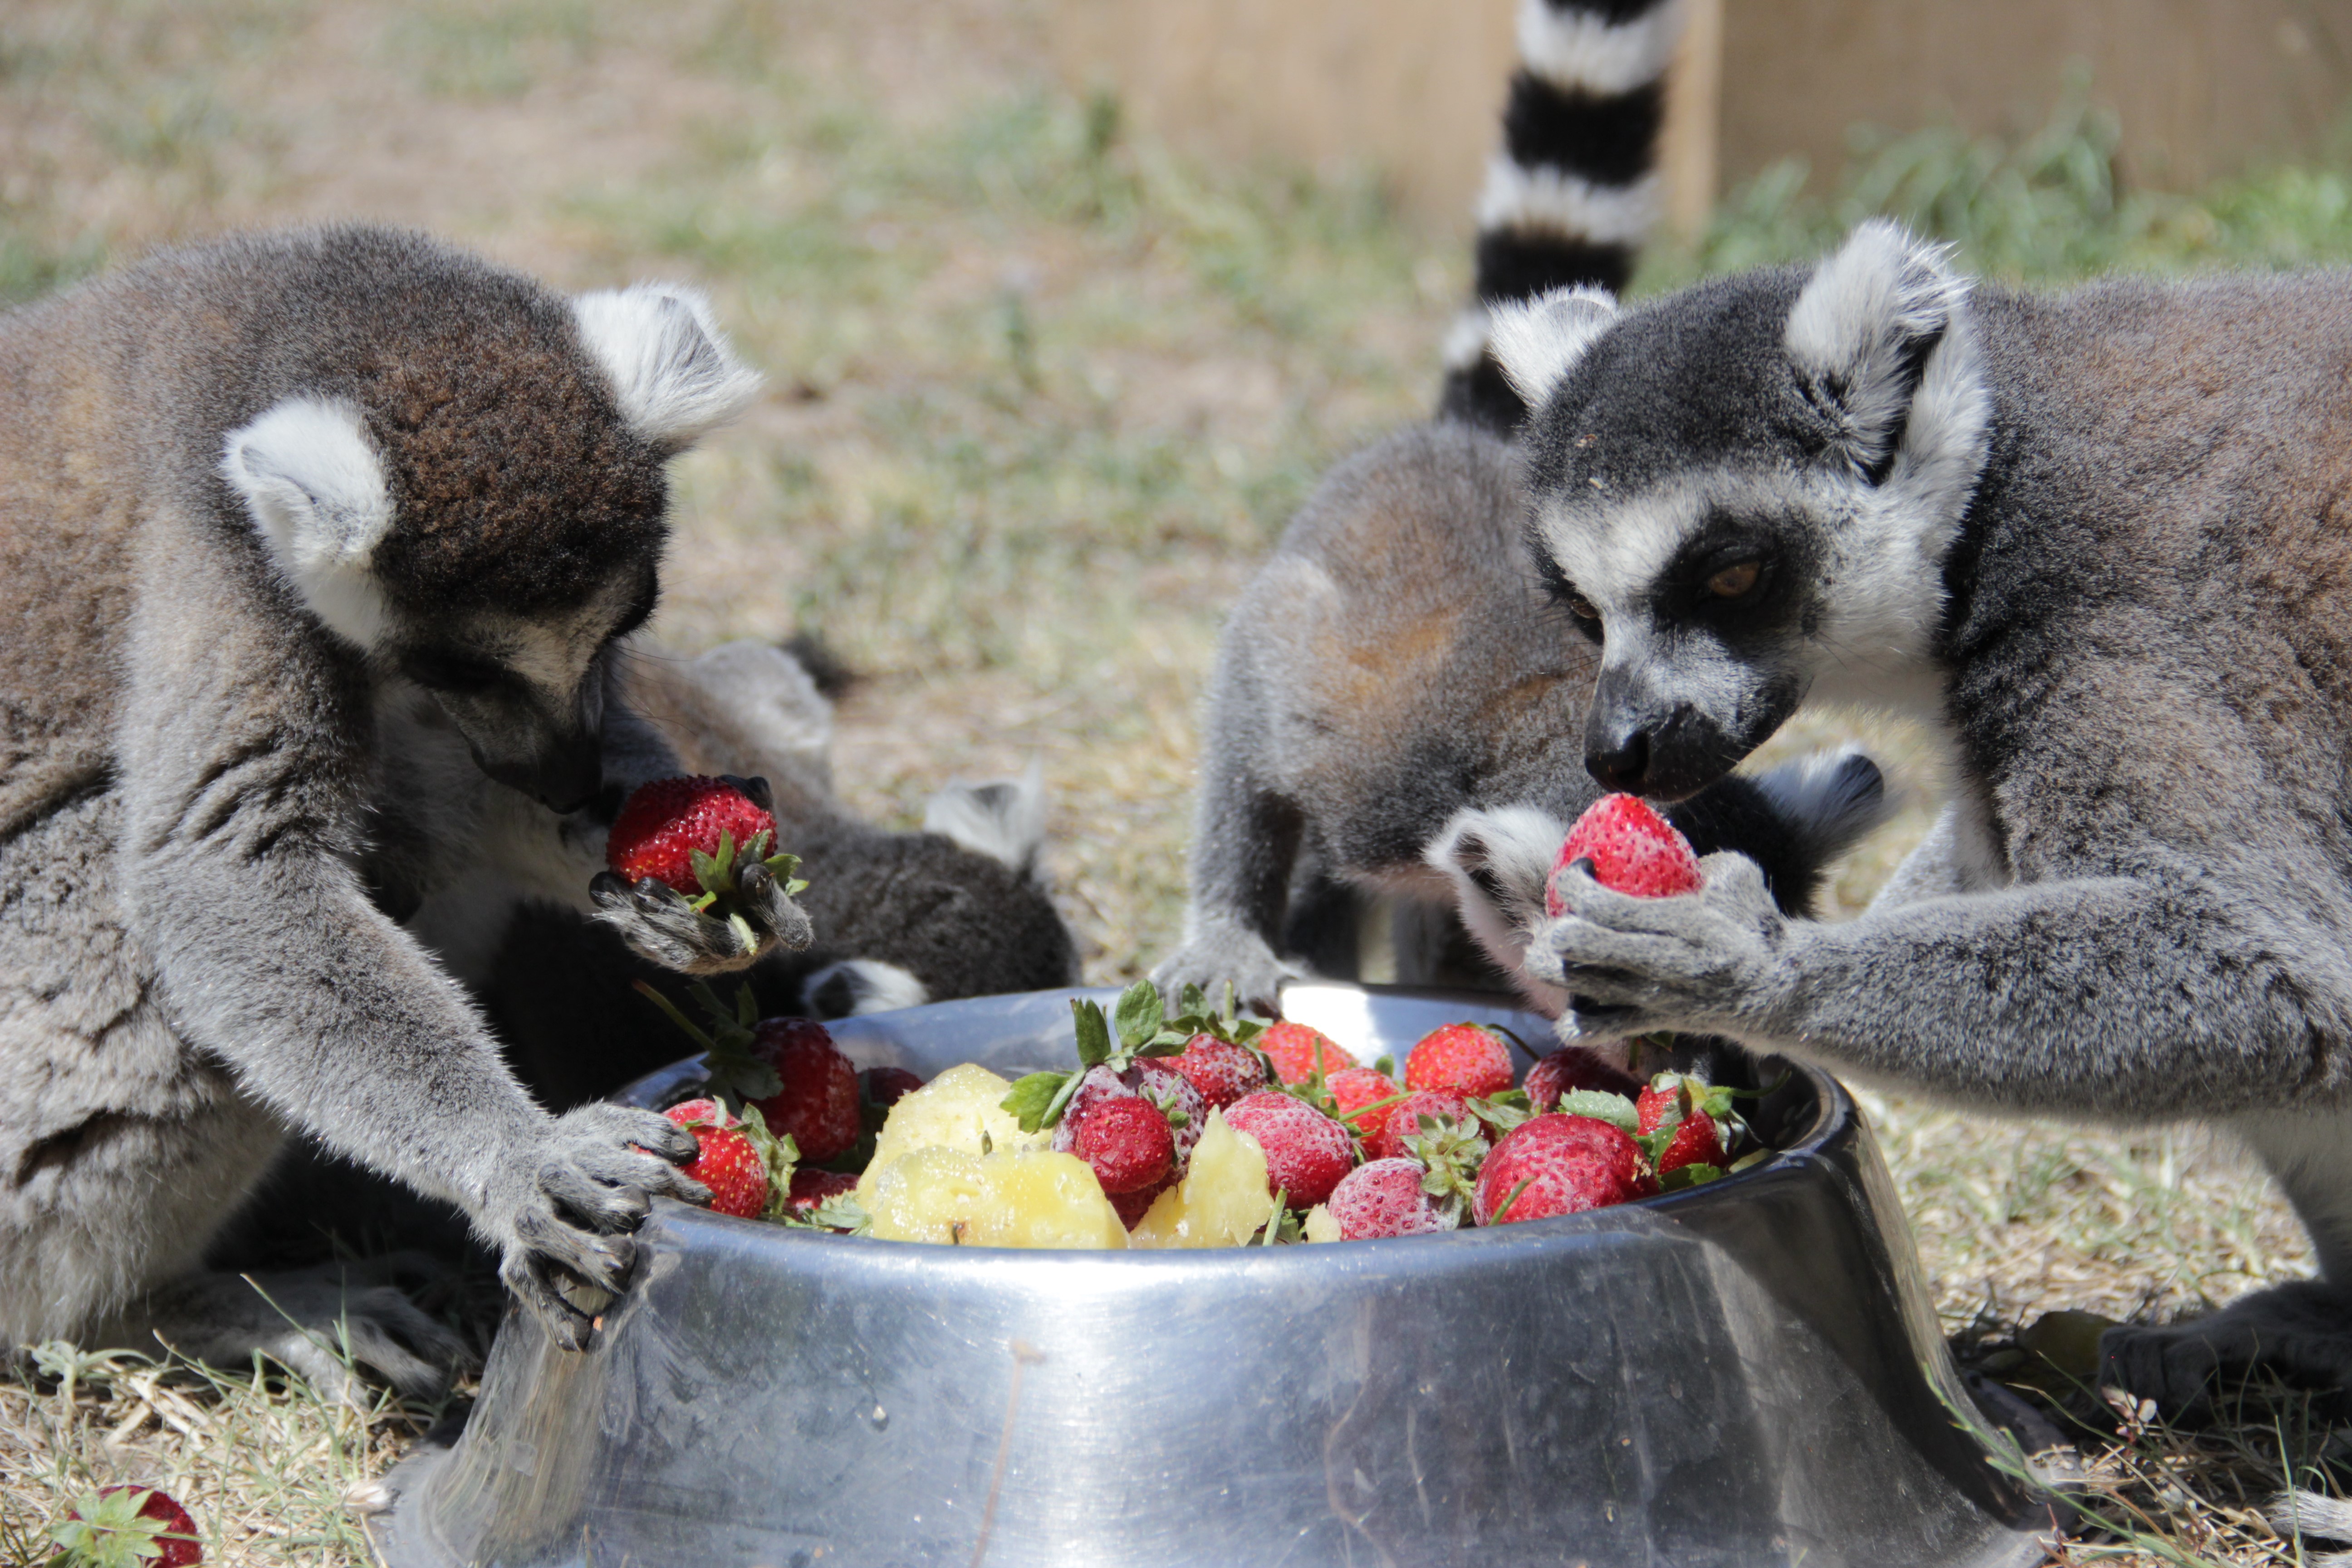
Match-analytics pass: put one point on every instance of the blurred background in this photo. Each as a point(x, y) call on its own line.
point(1064, 305)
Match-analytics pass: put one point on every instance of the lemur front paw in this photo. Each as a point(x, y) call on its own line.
point(565, 1208)
point(1707, 963)
point(321, 1324)
point(660, 923)
point(1245, 960)
point(2302, 1331)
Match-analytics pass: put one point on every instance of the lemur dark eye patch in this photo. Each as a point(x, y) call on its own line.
point(1737, 579)
point(440, 669)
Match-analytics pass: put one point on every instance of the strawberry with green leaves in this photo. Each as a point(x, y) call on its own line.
point(697, 853)
point(127, 1527)
point(748, 1170)
point(1558, 1164)
point(1389, 1197)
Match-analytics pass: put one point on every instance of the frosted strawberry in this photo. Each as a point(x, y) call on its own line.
point(1405, 1119)
point(1159, 1080)
point(730, 1165)
point(1127, 1143)
point(1299, 1053)
point(815, 1103)
point(1573, 1067)
point(1555, 1166)
point(1307, 1152)
point(886, 1086)
point(1463, 1058)
point(1358, 1097)
point(1632, 849)
point(128, 1525)
point(1220, 1069)
point(1387, 1198)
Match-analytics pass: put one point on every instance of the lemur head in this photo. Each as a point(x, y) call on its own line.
point(1747, 488)
point(473, 496)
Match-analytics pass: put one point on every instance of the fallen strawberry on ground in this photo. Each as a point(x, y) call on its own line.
point(127, 1527)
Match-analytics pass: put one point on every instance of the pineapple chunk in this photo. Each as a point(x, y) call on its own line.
point(1321, 1227)
point(1221, 1202)
point(943, 1194)
point(958, 1109)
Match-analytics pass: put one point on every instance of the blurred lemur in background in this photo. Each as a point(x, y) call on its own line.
point(1396, 665)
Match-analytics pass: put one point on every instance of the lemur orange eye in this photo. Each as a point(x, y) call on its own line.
point(1581, 608)
point(1734, 580)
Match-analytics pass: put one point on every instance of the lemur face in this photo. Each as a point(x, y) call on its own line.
point(486, 546)
point(1745, 492)
point(528, 694)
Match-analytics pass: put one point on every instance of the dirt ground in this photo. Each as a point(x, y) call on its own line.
point(1039, 396)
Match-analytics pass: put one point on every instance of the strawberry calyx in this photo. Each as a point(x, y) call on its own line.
point(736, 1075)
point(1451, 1154)
point(718, 873)
point(1143, 1029)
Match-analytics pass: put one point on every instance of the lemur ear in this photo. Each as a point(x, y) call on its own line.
point(1537, 341)
point(671, 368)
point(1004, 820)
point(1861, 334)
point(314, 487)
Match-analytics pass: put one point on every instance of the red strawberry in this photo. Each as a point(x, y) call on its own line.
point(886, 1086)
point(665, 821)
point(1674, 1098)
point(729, 1163)
point(1694, 1142)
point(811, 1188)
point(1463, 1057)
point(1307, 1152)
point(1127, 1143)
point(1294, 1049)
point(1131, 1207)
point(818, 1103)
point(121, 1519)
point(1099, 1085)
point(1404, 1119)
point(1572, 1068)
point(1632, 850)
point(1355, 1088)
point(1222, 1070)
point(1386, 1198)
point(1557, 1165)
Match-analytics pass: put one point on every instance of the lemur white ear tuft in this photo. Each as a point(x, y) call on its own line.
point(315, 489)
point(1004, 820)
point(1861, 331)
point(1537, 341)
point(671, 368)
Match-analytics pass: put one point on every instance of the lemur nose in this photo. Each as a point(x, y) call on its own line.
point(1622, 763)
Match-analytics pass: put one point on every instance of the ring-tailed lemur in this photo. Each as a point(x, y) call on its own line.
point(2096, 539)
point(958, 910)
point(1395, 665)
point(269, 505)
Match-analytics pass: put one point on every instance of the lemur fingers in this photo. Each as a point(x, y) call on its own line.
point(666, 929)
point(1697, 962)
point(771, 907)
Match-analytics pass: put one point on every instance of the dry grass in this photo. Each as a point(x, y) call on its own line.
point(1040, 396)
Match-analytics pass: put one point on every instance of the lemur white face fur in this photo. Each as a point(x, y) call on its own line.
point(524, 690)
point(1755, 513)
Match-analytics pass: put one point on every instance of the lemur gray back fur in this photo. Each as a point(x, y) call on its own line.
point(268, 506)
point(2092, 538)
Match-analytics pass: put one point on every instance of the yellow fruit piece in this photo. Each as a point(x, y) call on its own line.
point(1222, 1199)
point(1321, 1227)
point(958, 1109)
point(1035, 1199)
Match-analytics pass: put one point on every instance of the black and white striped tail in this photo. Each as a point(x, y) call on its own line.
point(1575, 188)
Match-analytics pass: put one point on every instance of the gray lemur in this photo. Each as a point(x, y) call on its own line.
point(1395, 665)
point(2095, 538)
point(271, 511)
point(960, 908)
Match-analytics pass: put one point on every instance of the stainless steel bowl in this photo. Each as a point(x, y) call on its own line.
point(1744, 1373)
